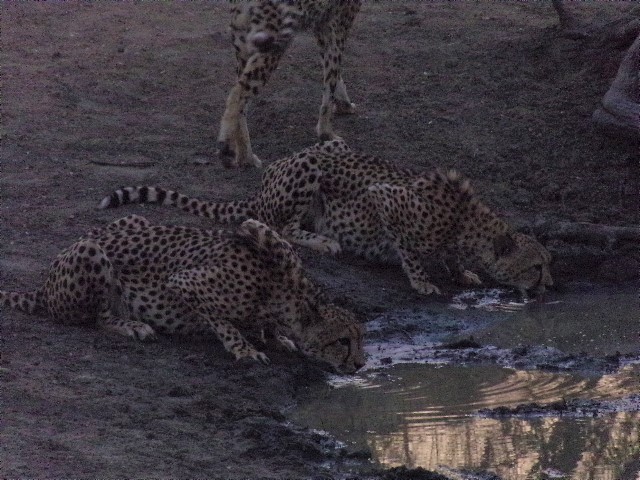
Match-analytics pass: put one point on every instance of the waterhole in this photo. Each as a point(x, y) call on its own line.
point(409, 409)
point(425, 415)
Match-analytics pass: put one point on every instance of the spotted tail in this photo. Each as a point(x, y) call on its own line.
point(28, 302)
point(223, 212)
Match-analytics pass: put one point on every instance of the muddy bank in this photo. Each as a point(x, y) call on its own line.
point(572, 408)
point(595, 252)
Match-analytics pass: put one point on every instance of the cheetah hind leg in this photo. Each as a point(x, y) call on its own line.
point(92, 289)
point(233, 138)
point(342, 105)
point(130, 222)
point(106, 319)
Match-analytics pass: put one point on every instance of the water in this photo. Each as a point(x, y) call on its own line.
point(425, 414)
point(422, 415)
point(600, 323)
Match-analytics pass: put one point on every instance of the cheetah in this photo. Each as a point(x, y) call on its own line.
point(261, 32)
point(332, 199)
point(135, 278)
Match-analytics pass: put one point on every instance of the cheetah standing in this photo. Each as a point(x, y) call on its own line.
point(261, 31)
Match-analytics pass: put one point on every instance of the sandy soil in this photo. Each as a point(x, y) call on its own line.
point(101, 94)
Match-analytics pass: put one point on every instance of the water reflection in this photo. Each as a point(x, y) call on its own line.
point(418, 416)
point(573, 324)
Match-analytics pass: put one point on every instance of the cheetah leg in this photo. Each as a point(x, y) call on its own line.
point(234, 342)
point(462, 275)
point(82, 284)
point(282, 339)
point(412, 267)
point(342, 104)
point(233, 137)
point(198, 289)
point(128, 328)
point(331, 71)
point(331, 39)
point(130, 222)
point(294, 233)
point(243, 144)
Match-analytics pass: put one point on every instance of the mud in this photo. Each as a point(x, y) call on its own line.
point(100, 94)
point(572, 408)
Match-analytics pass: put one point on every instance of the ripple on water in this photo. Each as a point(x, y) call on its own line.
point(424, 415)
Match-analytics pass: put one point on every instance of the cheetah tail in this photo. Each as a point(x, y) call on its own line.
point(223, 212)
point(28, 302)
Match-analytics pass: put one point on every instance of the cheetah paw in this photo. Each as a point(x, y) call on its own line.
point(287, 343)
point(133, 329)
point(425, 288)
point(254, 160)
point(253, 354)
point(143, 332)
point(344, 108)
point(332, 247)
point(469, 278)
point(261, 357)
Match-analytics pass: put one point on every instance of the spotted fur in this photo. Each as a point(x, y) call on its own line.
point(135, 279)
point(359, 204)
point(261, 32)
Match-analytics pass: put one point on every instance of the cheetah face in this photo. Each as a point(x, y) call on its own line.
point(338, 340)
point(521, 262)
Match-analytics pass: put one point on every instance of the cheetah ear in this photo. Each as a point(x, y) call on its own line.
point(504, 245)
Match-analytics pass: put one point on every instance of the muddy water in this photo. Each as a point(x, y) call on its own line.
point(425, 414)
point(600, 323)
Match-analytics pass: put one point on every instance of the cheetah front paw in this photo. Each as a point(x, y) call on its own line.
point(137, 330)
point(287, 343)
point(253, 354)
point(469, 278)
point(332, 247)
point(261, 357)
point(424, 287)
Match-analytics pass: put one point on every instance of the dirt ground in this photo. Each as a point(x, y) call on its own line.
point(96, 95)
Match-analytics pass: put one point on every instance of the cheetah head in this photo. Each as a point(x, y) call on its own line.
point(520, 261)
point(335, 338)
